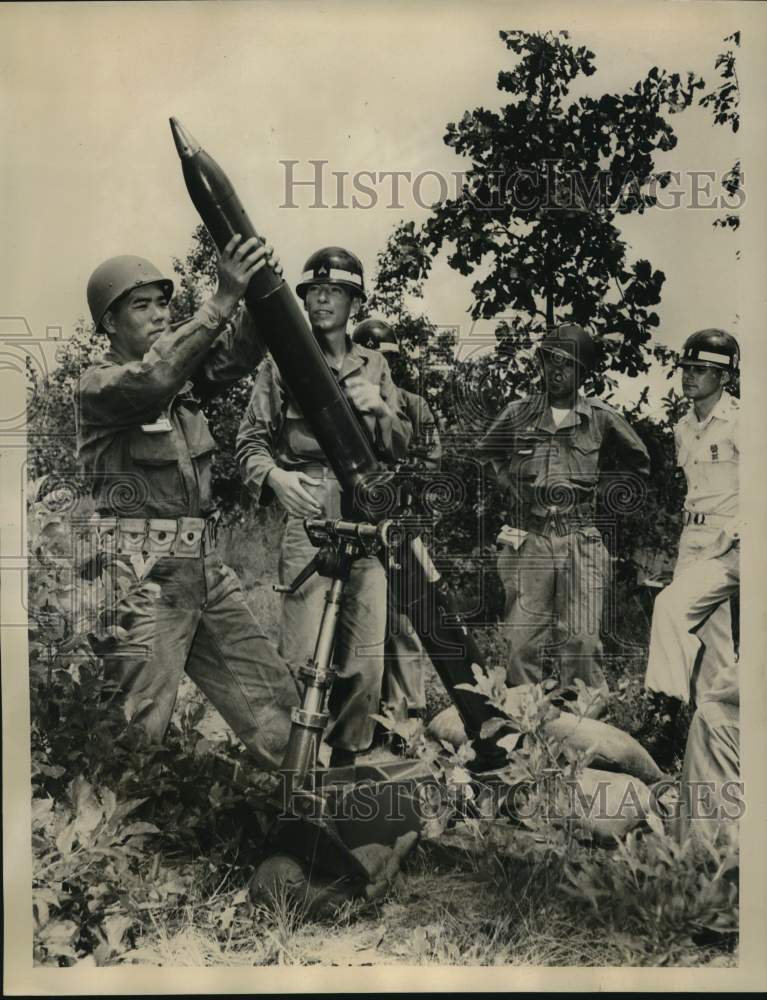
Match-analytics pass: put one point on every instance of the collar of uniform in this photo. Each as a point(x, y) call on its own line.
point(545, 421)
point(724, 408)
point(722, 411)
point(354, 359)
point(113, 357)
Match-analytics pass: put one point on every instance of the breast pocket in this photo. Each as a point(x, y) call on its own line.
point(717, 466)
point(525, 461)
point(582, 459)
point(299, 440)
point(155, 459)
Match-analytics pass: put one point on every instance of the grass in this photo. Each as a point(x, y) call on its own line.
point(474, 907)
point(433, 915)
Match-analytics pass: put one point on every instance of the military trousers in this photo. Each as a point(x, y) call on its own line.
point(710, 789)
point(359, 646)
point(191, 615)
point(691, 641)
point(554, 587)
point(405, 662)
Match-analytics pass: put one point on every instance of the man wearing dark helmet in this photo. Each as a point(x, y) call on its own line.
point(691, 643)
point(146, 450)
point(280, 458)
point(548, 451)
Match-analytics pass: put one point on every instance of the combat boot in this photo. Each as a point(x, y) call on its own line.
point(661, 729)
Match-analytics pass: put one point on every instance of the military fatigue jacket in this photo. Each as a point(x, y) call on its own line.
point(142, 439)
point(274, 431)
point(425, 446)
point(545, 465)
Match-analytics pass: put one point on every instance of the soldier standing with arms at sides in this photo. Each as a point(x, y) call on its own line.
point(404, 656)
point(145, 445)
point(691, 643)
point(547, 450)
point(280, 457)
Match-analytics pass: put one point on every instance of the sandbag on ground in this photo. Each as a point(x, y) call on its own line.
point(605, 805)
point(613, 749)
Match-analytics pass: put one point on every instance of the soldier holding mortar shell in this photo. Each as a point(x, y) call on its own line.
point(280, 457)
point(145, 445)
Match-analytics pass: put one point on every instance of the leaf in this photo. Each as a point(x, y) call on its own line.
point(226, 917)
point(510, 742)
point(57, 938)
point(115, 928)
point(491, 727)
point(51, 771)
point(66, 839)
point(655, 823)
point(41, 810)
point(138, 829)
point(40, 911)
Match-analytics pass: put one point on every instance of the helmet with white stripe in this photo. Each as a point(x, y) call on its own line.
point(332, 266)
point(377, 335)
point(711, 349)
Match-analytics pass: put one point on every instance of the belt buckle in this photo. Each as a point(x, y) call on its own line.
point(694, 517)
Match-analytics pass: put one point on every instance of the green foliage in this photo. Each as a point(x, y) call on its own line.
point(724, 103)
point(545, 182)
point(724, 100)
point(50, 406)
point(656, 900)
point(657, 897)
point(99, 791)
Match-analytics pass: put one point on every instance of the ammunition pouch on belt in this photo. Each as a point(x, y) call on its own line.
point(177, 538)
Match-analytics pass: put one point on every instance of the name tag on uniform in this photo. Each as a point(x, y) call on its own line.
point(160, 426)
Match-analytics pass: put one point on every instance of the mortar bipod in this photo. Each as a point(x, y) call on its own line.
point(339, 543)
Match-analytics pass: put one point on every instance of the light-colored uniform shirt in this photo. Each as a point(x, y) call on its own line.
point(708, 453)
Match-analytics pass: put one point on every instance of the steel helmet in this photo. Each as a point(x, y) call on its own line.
point(332, 265)
point(119, 275)
point(376, 335)
point(711, 349)
point(570, 340)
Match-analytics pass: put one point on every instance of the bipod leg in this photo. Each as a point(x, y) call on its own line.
point(308, 722)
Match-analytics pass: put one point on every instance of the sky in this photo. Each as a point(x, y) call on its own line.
point(88, 169)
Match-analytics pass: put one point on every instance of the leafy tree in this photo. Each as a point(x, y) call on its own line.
point(50, 406)
point(536, 212)
point(535, 221)
point(724, 102)
point(427, 351)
